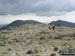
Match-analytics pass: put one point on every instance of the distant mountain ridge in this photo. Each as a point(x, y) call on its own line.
point(21, 22)
point(63, 23)
point(1, 25)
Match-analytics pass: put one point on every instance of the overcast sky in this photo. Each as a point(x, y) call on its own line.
point(40, 10)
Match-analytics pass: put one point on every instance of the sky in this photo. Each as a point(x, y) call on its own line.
point(40, 10)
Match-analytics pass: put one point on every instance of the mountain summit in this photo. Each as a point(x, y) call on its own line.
point(21, 22)
point(63, 23)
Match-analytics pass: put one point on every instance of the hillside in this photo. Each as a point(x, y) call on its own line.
point(21, 22)
point(2, 25)
point(35, 40)
point(63, 23)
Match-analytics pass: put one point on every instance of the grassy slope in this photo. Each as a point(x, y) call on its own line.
point(17, 41)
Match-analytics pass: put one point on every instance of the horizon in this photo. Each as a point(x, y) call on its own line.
point(38, 21)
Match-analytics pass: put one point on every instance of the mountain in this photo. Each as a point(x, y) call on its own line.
point(63, 23)
point(21, 22)
point(1, 25)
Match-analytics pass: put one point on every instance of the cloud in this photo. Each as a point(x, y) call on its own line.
point(66, 17)
point(38, 7)
point(55, 5)
point(16, 6)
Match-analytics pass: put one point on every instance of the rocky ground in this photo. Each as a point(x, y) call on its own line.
point(35, 40)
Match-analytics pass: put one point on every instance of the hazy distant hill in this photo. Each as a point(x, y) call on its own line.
point(1, 25)
point(21, 22)
point(63, 23)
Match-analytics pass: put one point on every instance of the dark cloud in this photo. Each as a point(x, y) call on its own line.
point(16, 6)
point(39, 7)
point(55, 5)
